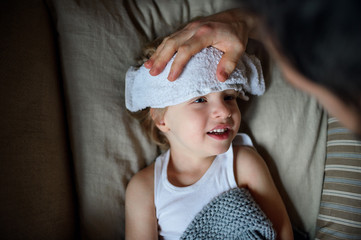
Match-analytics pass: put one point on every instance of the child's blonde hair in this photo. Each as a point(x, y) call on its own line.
point(146, 117)
point(148, 121)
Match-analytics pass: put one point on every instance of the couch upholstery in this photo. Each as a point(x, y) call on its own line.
point(68, 147)
point(37, 197)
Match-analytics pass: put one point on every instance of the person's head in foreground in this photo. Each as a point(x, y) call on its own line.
point(196, 114)
point(317, 44)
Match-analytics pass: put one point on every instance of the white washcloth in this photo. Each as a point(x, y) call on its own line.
point(197, 79)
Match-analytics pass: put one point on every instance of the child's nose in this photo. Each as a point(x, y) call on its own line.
point(221, 110)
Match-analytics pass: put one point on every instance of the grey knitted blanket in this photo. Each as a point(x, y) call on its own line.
point(232, 215)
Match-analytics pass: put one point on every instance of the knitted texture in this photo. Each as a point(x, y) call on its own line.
point(232, 215)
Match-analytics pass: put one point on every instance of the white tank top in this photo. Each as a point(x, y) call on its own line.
point(177, 206)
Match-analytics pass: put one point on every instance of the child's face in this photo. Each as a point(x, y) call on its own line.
point(204, 126)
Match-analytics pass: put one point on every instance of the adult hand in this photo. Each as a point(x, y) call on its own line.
point(227, 31)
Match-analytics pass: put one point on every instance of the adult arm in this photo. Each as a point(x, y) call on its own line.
point(140, 217)
point(228, 31)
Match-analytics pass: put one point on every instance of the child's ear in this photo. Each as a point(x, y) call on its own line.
point(159, 121)
point(162, 126)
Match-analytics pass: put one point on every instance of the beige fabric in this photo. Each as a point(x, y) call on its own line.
point(99, 40)
point(289, 129)
point(37, 195)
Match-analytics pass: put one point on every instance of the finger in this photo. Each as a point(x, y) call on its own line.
point(201, 38)
point(149, 63)
point(161, 57)
point(228, 63)
point(184, 54)
point(168, 48)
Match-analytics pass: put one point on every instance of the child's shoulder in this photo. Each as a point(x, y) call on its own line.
point(143, 181)
point(243, 149)
point(246, 156)
point(248, 165)
point(244, 153)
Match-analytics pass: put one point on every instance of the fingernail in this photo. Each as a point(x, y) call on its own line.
point(171, 76)
point(152, 71)
point(224, 76)
point(148, 64)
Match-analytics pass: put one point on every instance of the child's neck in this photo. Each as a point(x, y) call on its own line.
point(184, 170)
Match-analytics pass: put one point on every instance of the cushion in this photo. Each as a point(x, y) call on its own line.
point(340, 209)
point(99, 40)
point(289, 130)
point(37, 197)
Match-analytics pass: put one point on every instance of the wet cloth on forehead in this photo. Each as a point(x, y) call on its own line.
point(197, 79)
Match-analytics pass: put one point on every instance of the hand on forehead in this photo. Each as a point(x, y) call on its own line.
point(198, 78)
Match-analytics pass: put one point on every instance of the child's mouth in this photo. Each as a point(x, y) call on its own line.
point(218, 131)
point(219, 134)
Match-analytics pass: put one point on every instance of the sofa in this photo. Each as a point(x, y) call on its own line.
point(68, 146)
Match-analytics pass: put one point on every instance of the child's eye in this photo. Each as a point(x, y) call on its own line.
point(230, 97)
point(200, 100)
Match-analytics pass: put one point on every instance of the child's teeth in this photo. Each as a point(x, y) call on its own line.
point(218, 130)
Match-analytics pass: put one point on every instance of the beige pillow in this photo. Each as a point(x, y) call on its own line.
point(98, 42)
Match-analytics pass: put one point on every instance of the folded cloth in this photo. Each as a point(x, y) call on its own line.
point(197, 79)
point(232, 215)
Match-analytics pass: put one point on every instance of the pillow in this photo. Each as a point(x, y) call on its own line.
point(99, 40)
point(340, 208)
point(289, 131)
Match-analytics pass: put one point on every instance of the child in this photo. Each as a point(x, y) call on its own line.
point(198, 118)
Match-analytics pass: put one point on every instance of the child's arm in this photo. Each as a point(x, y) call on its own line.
point(251, 171)
point(140, 217)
